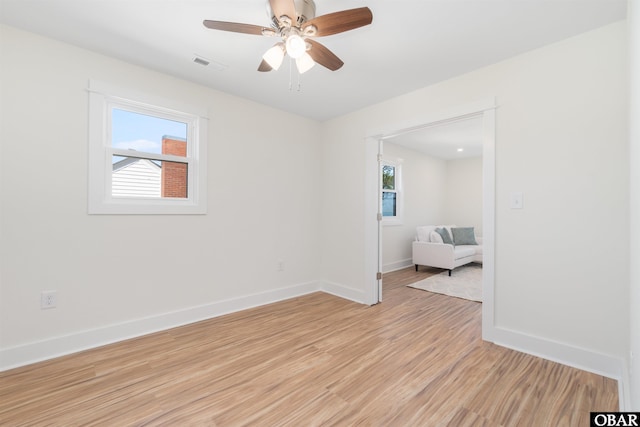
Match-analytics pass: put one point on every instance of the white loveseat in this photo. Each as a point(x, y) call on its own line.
point(430, 250)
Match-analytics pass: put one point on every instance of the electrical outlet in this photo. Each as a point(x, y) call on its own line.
point(48, 299)
point(280, 265)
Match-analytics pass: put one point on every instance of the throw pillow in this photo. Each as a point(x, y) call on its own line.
point(435, 237)
point(446, 238)
point(464, 236)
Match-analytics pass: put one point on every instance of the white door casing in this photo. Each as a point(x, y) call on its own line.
point(373, 199)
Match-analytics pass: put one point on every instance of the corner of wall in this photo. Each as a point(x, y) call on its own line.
point(579, 358)
point(336, 289)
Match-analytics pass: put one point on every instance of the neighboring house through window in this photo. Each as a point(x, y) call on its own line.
point(146, 156)
point(138, 177)
point(133, 177)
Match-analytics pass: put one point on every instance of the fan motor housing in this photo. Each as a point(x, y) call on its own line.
point(305, 11)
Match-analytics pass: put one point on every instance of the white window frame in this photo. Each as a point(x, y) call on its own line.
point(103, 98)
point(397, 219)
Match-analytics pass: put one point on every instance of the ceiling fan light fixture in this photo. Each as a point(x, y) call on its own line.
point(296, 46)
point(274, 56)
point(296, 24)
point(305, 63)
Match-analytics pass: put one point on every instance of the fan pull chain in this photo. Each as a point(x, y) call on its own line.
point(291, 77)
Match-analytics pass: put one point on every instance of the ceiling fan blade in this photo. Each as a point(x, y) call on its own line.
point(283, 7)
point(338, 22)
point(234, 27)
point(264, 66)
point(324, 56)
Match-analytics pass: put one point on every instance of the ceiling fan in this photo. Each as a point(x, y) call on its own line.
point(295, 22)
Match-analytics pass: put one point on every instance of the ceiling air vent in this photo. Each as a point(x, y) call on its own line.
point(201, 61)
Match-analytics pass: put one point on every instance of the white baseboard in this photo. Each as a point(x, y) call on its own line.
point(397, 265)
point(586, 360)
point(25, 354)
point(343, 292)
point(38, 351)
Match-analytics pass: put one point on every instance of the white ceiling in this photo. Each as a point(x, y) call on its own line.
point(443, 141)
point(410, 44)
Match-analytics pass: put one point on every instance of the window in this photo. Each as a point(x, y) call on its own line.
point(391, 192)
point(146, 156)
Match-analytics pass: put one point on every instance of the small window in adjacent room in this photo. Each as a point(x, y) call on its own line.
point(391, 192)
point(145, 156)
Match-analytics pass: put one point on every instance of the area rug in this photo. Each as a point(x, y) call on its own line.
point(465, 282)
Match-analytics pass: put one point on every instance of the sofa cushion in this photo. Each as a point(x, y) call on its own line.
point(477, 249)
point(464, 251)
point(446, 237)
point(435, 237)
point(464, 236)
point(423, 232)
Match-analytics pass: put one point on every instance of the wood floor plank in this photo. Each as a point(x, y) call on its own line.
point(416, 359)
point(467, 418)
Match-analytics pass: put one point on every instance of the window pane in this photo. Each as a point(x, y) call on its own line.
point(133, 177)
point(388, 177)
point(388, 203)
point(149, 134)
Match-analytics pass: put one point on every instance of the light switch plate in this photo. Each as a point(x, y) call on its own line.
point(516, 201)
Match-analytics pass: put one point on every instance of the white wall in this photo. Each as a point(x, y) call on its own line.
point(633, 17)
point(561, 139)
point(118, 276)
point(463, 195)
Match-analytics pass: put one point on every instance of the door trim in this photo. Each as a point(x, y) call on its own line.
point(486, 109)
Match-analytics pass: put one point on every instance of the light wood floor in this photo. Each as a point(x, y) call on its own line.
point(417, 359)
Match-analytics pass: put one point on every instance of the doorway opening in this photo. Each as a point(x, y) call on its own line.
point(483, 115)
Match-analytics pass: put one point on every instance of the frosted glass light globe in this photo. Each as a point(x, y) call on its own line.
point(304, 63)
point(296, 46)
point(274, 56)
